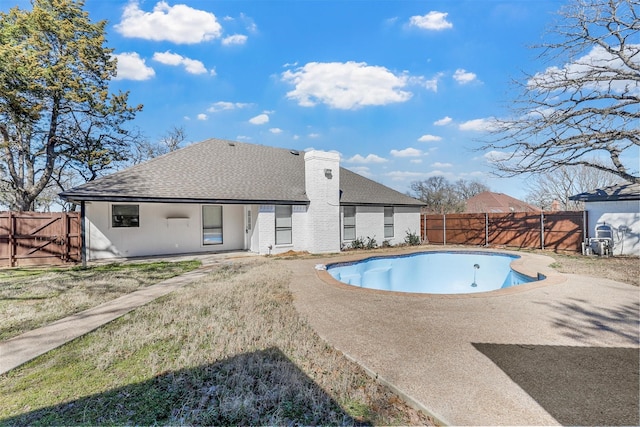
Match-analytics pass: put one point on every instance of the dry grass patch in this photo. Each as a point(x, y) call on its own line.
point(227, 350)
point(34, 297)
point(625, 269)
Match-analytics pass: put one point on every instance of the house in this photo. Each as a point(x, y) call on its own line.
point(220, 195)
point(489, 202)
point(617, 206)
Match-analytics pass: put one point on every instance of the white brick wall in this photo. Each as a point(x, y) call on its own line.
point(322, 172)
point(370, 223)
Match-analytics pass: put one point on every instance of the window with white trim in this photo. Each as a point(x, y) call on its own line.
point(349, 223)
point(283, 225)
point(212, 225)
point(388, 221)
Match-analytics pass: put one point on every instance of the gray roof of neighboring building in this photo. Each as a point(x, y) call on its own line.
point(220, 171)
point(627, 191)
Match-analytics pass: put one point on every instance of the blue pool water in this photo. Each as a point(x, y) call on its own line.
point(432, 272)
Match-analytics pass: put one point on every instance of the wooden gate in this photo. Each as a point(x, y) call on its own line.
point(39, 238)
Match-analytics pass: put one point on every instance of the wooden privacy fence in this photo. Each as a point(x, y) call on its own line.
point(558, 231)
point(35, 238)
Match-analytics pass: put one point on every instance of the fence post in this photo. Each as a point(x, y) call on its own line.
point(444, 229)
point(542, 230)
point(12, 240)
point(486, 229)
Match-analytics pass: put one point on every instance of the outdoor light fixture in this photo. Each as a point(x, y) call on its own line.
point(327, 173)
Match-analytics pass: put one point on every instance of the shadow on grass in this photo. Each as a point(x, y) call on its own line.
point(257, 388)
point(576, 385)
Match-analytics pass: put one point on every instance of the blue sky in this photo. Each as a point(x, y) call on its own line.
point(402, 89)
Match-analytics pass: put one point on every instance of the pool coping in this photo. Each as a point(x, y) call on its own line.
point(528, 264)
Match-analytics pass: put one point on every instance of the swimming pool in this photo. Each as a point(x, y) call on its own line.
point(441, 272)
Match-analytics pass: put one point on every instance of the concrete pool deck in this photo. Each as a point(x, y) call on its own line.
point(560, 351)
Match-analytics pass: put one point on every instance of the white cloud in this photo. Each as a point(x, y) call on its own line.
point(417, 161)
point(443, 121)
point(429, 138)
point(371, 158)
point(224, 106)
point(314, 135)
point(405, 175)
point(178, 24)
point(595, 70)
point(429, 84)
point(478, 125)
point(191, 66)
point(433, 20)
point(236, 39)
point(275, 130)
point(249, 23)
point(441, 165)
point(407, 152)
point(361, 170)
point(346, 86)
point(497, 156)
point(463, 77)
point(260, 119)
point(132, 67)
point(202, 116)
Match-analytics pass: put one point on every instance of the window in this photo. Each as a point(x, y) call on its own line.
point(125, 216)
point(211, 225)
point(349, 223)
point(283, 225)
point(388, 221)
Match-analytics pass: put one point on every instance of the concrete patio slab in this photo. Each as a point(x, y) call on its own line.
point(560, 351)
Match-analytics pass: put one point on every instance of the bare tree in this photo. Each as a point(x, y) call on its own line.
point(441, 196)
point(171, 141)
point(546, 190)
point(468, 189)
point(587, 108)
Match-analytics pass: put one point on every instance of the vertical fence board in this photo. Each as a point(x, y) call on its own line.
point(35, 238)
point(558, 231)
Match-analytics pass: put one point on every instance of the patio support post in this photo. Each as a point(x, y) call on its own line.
point(83, 246)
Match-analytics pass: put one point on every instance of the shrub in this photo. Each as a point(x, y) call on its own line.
point(412, 239)
point(358, 243)
point(371, 243)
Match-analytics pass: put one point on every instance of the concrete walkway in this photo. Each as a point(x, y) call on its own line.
point(23, 348)
point(561, 351)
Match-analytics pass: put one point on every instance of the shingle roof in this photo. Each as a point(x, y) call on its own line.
point(627, 191)
point(220, 171)
point(488, 201)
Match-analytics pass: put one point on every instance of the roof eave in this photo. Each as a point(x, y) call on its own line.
point(136, 199)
